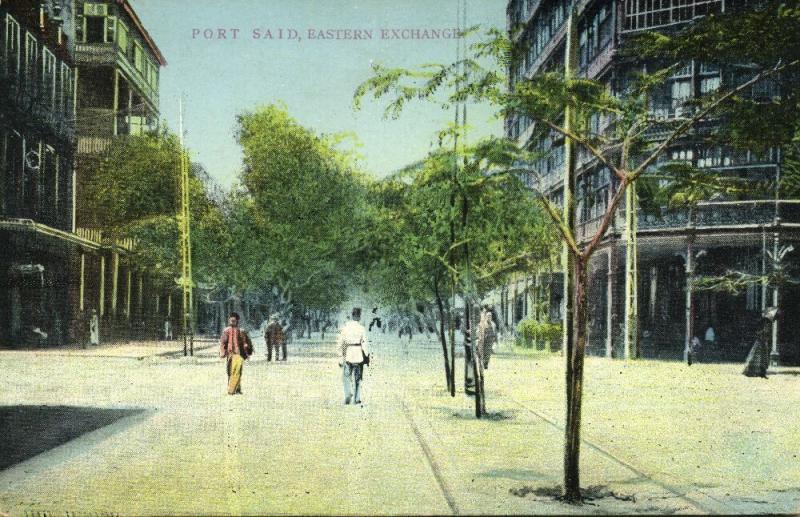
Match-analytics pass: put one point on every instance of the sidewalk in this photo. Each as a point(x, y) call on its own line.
point(129, 350)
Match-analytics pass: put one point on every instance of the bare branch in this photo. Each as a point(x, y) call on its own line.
point(584, 142)
point(565, 232)
point(606, 221)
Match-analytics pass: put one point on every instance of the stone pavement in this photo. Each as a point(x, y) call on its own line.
point(163, 437)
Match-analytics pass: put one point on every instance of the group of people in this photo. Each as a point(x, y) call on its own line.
point(352, 350)
point(235, 346)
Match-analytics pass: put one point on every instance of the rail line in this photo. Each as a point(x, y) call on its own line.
point(443, 488)
point(627, 465)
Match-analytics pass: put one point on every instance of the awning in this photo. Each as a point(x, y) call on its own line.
point(28, 225)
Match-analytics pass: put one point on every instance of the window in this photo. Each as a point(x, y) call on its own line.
point(542, 29)
point(680, 88)
point(709, 157)
point(94, 25)
point(680, 92)
point(152, 74)
point(62, 90)
point(606, 27)
point(122, 37)
point(138, 57)
point(595, 34)
point(30, 72)
point(95, 29)
point(49, 78)
point(647, 14)
point(683, 155)
point(12, 46)
point(709, 84)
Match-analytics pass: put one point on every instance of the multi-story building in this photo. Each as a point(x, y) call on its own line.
point(73, 75)
point(117, 73)
point(673, 245)
point(37, 114)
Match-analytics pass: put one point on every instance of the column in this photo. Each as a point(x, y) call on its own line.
point(128, 296)
point(114, 281)
point(82, 287)
point(774, 355)
point(610, 303)
point(102, 300)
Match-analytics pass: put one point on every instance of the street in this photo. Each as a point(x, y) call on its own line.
point(156, 434)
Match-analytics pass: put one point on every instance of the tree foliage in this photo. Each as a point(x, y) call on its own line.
point(301, 213)
point(133, 191)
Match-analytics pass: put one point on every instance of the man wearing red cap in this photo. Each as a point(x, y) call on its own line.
point(235, 346)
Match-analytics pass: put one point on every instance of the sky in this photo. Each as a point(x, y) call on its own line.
point(223, 74)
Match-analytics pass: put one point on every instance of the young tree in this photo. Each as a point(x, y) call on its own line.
point(496, 223)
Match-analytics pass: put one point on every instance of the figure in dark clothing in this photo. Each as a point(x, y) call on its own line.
point(275, 337)
point(757, 361)
point(376, 321)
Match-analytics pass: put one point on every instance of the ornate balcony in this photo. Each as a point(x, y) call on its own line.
point(724, 214)
point(721, 215)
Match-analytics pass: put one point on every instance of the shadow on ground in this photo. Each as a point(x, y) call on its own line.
point(590, 494)
point(31, 430)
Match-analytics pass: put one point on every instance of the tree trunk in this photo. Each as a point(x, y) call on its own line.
point(572, 430)
point(452, 335)
point(443, 337)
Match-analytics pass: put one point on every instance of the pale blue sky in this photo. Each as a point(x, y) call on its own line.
point(314, 78)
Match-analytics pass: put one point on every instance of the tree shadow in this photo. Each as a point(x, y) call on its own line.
point(28, 431)
point(591, 494)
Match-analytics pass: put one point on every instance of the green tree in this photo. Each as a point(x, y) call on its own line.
point(133, 192)
point(300, 221)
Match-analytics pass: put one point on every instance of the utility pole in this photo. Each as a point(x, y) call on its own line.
point(186, 245)
point(631, 274)
point(568, 211)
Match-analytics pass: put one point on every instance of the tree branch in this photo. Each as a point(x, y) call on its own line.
point(607, 218)
point(584, 142)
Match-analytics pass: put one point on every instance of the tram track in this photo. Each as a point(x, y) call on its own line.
point(431, 461)
point(722, 507)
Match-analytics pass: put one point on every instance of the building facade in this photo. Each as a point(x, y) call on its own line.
point(117, 74)
point(66, 89)
point(37, 137)
point(674, 246)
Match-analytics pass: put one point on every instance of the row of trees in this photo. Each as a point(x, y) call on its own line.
point(287, 236)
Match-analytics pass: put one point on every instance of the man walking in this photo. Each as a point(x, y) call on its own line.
point(353, 349)
point(235, 346)
point(275, 337)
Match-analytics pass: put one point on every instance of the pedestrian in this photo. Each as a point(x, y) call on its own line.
point(710, 336)
point(275, 338)
point(487, 337)
point(167, 330)
point(691, 351)
point(94, 329)
point(235, 346)
point(353, 350)
point(376, 321)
